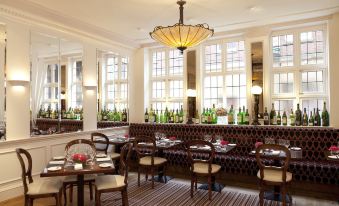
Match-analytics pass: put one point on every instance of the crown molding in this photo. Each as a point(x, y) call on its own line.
point(23, 12)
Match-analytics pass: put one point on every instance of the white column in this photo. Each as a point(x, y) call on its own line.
point(2, 75)
point(139, 85)
point(90, 87)
point(333, 30)
point(17, 94)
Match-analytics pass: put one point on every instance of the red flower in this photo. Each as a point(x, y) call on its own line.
point(257, 144)
point(126, 136)
point(172, 138)
point(224, 142)
point(334, 148)
point(80, 158)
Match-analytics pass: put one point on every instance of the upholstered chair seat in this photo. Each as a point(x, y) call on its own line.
point(202, 168)
point(148, 160)
point(274, 175)
point(109, 181)
point(42, 186)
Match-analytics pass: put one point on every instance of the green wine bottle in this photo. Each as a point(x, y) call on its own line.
point(292, 118)
point(278, 118)
point(230, 116)
point(311, 120)
point(305, 118)
point(247, 118)
point(239, 117)
point(298, 117)
point(284, 119)
point(325, 117)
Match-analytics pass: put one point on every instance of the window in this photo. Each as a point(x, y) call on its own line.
point(75, 83)
point(299, 69)
point(224, 79)
point(51, 87)
point(167, 79)
point(114, 82)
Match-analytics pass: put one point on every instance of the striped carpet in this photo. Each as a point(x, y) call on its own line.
point(178, 193)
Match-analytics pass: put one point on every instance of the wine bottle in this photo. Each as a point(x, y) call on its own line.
point(181, 115)
point(166, 119)
point(273, 116)
point(203, 116)
point(247, 118)
point(230, 116)
point(298, 117)
point(146, 116)
point(292, 118)
point(311, 120)
point(214, 114)
point(305, 118)
point(209, 116)
point(278, 118)
point(284, 119)
point(266, 117)
point(316, 118)
point(325, 117)
point(197, 117)
point(239, 117)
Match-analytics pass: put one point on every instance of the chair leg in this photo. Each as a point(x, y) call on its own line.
point(138, 176)
point(97, 198)
point(31, 201)
point(152, 173)
point(209, 188)
point(124, 197)
point(146, 175)
point(261, 195)
point(64, 192)
point(90, 190)
point(164, 173)
point(71, 193)
point(192, 184)
point(283, 194)
point(196, 182)
point(57, 200)
point(26, 200)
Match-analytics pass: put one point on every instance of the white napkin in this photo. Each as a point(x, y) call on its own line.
point(78, 166)
point(103, 159)
point(61, 162)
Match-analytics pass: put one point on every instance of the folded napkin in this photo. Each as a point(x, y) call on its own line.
point(103, 159)
point(61, 162)
point(78, 166)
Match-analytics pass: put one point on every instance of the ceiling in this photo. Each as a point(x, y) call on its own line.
point(134, 19)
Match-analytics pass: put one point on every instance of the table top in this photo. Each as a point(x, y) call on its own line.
point(67, 170)
point(331, 157)
point(218, 148)
point(295, 154)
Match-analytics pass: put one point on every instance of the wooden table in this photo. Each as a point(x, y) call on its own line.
point(68, 170)
point(296, 156)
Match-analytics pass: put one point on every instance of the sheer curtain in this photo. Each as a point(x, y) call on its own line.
point(38, 80)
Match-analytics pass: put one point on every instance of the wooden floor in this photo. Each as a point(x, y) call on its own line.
point(297, 200)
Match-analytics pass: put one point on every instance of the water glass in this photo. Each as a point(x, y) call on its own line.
point(269, 141)
point(208, 137)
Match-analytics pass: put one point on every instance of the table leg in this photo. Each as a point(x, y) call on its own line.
point(80, 179)
point(217, 187)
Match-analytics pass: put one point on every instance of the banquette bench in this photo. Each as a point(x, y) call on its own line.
point(313, 167)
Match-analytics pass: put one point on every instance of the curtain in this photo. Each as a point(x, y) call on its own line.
point(38, 79)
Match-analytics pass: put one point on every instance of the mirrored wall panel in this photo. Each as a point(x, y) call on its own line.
point(2, 82)
point(56, 84)
point(112, 87)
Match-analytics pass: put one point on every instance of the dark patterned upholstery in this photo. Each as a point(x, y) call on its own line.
point(313, 140)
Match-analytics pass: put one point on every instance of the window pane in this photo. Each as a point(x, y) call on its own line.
point(312, 81)
point(49, 74)
point(283, 83)
point(312, 105)
point(123, 91)
point(158, 89)
point(282, 48)
point(176, 88)
point(213, 88)
point(158, 64)
point(312, 47)
point(175, 62)
point(236, 90)
point(235, 56)
point(124, 67)
point(213, 58)
point(283, 105)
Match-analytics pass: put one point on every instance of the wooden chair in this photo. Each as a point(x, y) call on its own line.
point(146, 148)
point(71, 181)
point(113, 183)
point(276, 176)
point(101, 142)
point(199, 167)
point(41, 188)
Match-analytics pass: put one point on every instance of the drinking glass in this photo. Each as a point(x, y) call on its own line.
point(208, 137)
point(269, 140)
point(218, 138)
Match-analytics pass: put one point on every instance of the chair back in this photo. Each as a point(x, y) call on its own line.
point(25, 172)
point(194, 149)
point(80, 146)
point(145, 146)
point(101, 141)
point(125, 157)
point(283, 159)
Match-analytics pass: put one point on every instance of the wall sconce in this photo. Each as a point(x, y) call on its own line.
point(18, 82)
point(90, 87)
point(256, 91)
point(191, 94)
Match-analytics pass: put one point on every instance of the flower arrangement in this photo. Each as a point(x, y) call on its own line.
point(79, 158)
point(257, 144)
point(333, 148)
point(221, 112)
point(172, 138)
point(224, 142)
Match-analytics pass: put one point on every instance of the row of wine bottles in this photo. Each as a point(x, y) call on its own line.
point(167, 116)
point(299, 118)
point(113, 115)
point(71, 113)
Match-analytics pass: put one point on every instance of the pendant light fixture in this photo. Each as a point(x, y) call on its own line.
point(179, 35)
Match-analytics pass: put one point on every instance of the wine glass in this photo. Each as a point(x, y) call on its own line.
point(269, 140)
point(218, 139)
point(208, 137)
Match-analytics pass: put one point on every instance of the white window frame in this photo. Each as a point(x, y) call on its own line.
point(51, 101)
point(298, 68)
point(72, 82)
point(167, 100)
point(224, 71)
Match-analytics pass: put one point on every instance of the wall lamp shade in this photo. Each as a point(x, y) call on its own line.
point(181, 36)
point(191, 93)
point(18, 82)
point(90, 87)
point(256, 90)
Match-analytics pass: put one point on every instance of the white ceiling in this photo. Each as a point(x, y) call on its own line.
point(134, 19)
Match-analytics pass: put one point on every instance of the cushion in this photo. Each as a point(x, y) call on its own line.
point(275, 175)
point(147, 160)
point(73, 178)
point(44, 186)
point(115, 155)
point(109, 181)
point(202, 168)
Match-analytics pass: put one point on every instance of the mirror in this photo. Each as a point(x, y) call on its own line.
point(191, 87)
point(56, 84)
point(2, 82)
point(257, 71)
point(112, 87)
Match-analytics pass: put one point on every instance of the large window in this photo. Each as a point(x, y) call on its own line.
point(299, 68)
point(75, 83)
point(224, 75)
point(167, 79)
point(115, 82)
point(51, 87)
